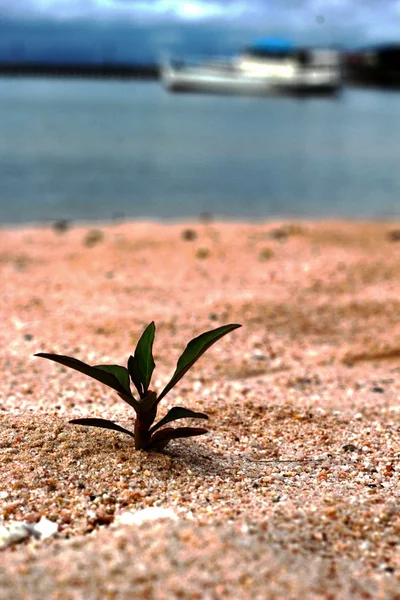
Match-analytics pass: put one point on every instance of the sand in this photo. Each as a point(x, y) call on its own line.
point(293, 493)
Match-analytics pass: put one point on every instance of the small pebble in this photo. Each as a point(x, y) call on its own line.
point(189, 235)
point(349, 448)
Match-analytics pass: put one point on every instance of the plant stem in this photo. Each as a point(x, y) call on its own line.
point(142, 435)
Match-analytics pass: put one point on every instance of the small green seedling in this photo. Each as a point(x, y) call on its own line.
point(140, 369)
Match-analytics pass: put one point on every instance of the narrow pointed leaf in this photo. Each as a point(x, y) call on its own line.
point(163, 436)
point(120, 373)
point(134, 372)
point(102, 423)
point(193, 351)
point(144, 356)
point(99, 373)
point(95, 372)
point(178, 412)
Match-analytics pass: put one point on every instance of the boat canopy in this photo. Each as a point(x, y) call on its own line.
point(273, 45)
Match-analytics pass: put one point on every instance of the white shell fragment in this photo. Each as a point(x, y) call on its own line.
point(17, 532)
point(45, 528)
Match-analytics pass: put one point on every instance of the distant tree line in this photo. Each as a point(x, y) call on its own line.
point(103, 70)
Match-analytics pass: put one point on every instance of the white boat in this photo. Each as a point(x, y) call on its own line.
point(273, 67)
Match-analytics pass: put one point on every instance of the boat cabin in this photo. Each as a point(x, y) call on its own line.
point(281, 58)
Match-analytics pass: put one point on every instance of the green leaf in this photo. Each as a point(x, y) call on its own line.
point(144, 367)
point(102, 423)
point(161, 438)
point(144, 355)
point(120, 373)
point(193, 351)
point(178, 412)
point(113, 379)
point(134, 372)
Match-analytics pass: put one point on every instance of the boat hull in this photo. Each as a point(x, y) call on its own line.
point(233, 82)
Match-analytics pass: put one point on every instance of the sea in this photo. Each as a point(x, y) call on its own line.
point(97, 150)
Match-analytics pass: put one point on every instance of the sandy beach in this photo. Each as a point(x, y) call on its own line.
point(293, 493)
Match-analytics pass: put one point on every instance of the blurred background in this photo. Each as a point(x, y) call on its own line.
point(92, 127)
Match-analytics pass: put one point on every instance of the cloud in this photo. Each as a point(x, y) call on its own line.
point(322, 20)
point(192, 10)
point(334, 11)
point(145, 29)
point(186, 10)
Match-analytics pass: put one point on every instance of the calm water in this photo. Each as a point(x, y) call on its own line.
point(90, 149)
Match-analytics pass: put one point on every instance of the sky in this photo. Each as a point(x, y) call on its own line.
point(147, 30)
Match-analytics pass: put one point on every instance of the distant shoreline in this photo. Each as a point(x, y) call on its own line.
point(352, 77)
point(100, 71)
point(62, 226)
